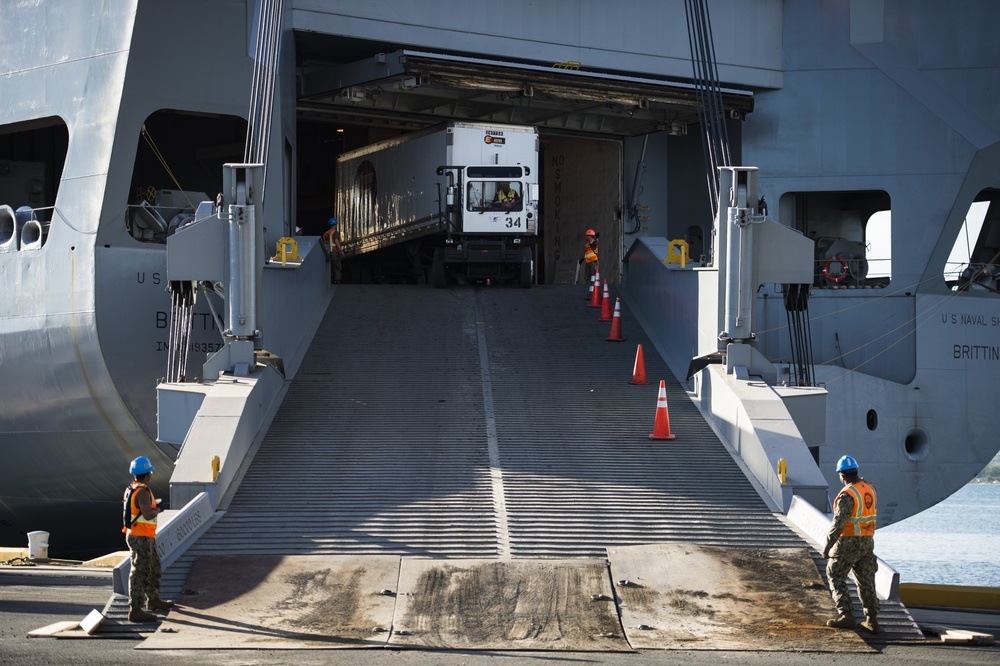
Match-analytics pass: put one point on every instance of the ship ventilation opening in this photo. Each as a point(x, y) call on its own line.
point(31, 232)
point(916, 446)
point(974, 261)
point(852, 231)
point(32, 157)
point(8, 229)
point(871, 419)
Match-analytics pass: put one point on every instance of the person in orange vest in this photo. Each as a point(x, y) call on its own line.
point(850, 546)
point(139, 515)
point(331, 241)
point(589, 259)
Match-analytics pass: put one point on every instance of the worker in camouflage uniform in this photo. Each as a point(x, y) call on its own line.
point(140, 510)
point(850, 546)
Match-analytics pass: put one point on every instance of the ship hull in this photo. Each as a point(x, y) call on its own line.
point(882, 103)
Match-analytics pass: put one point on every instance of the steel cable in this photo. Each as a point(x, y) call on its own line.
point(800, 335)
point(268, 40)
point(711, 110)
point(181, 320)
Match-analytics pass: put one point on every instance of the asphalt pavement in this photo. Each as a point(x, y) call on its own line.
point(34, 597)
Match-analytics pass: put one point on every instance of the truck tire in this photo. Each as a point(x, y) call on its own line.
point(526, 274)
point(437, 270)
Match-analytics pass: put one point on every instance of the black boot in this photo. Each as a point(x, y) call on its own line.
point(159, 604)
point(139, 615)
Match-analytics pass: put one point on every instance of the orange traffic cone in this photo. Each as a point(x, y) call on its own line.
point(639, 369)
point(661, 427)
point(605, 305)
point(616, 323)
point(595, 297)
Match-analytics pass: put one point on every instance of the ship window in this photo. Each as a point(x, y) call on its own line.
point(32, 157)
point(852, 232)
point(493, 196)
point(178, 164)
point(972, 263)
point(878, 246)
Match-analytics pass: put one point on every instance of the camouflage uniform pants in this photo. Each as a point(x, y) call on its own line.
point(336, 264)
point(857, 554)
point(144, 577)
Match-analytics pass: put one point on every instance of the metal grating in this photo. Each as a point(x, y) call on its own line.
point(482, 422)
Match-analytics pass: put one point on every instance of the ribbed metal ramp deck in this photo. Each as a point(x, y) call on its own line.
point(484, 422)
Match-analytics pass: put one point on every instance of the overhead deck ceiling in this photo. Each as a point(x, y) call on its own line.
point(410, 89)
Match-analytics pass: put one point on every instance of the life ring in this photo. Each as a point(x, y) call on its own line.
point(836, 277)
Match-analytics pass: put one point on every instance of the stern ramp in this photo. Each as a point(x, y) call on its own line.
point(491, 428)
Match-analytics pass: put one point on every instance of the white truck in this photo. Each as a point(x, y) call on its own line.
point(460, 200)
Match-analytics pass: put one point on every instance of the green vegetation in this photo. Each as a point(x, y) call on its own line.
point(990, 473)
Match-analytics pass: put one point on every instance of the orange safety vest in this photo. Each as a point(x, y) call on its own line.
point(140, 526)
point(590, 252)
point(328, 237)
point(862, 522)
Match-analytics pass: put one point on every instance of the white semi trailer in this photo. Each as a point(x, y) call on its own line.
point(461, 199)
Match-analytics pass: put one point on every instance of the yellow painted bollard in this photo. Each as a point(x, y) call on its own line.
point(215, 468)
point(782, 470)
point(286, 249)
point(677, 252)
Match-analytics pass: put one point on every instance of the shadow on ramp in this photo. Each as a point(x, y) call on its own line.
point(282, 602)
point(529, 604)
point(667, 596)
point(691, 597)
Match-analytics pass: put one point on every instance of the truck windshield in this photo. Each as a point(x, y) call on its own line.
point(493, 195)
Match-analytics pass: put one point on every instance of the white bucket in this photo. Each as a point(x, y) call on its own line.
point(38, 545)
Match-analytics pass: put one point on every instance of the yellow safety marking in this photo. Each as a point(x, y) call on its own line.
point(287, 249)
point(677, 252)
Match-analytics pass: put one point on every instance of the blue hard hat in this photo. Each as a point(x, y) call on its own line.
point(140, 466)
point(333, 221)
point(847, 464)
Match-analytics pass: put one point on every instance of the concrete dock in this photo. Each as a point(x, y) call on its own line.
point(34, 597)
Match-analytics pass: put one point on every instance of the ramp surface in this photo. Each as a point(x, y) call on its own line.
point(689, 597)
point(507, 605)
point(275, 602)
point(481, 423)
